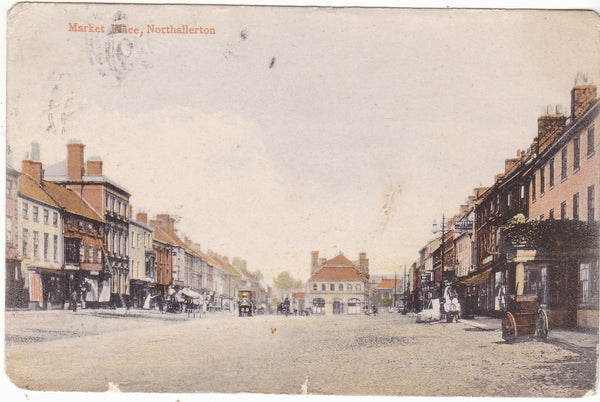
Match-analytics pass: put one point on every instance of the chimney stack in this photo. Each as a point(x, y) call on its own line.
point(314, 262)
point(583, 95)
point(94, 166)
point(363, 264)
point(550, 125)
point(510, 163)
point(33, 169)
point(75, 159)
point(166, 221)
point(142, 217)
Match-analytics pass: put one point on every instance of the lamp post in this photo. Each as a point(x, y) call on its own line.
point(435, 231)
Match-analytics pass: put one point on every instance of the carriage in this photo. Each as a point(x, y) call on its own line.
point(245, 303)
point(524, 320)
point(183, 300)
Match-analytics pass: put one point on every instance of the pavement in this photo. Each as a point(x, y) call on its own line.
point(572, 337)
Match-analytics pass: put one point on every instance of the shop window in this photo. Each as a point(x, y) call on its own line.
point(81, 252)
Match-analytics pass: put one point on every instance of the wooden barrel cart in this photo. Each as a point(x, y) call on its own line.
point(525, 320)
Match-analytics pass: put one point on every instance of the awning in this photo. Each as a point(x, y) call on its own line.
point(476, 278)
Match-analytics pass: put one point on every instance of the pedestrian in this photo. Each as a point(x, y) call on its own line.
point(74, 299)
point(159, 300)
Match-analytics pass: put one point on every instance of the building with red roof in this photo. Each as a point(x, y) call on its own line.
point(337, 286)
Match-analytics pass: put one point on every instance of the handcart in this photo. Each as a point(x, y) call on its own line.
point(525, 320)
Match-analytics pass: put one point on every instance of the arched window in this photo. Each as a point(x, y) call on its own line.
point(354, 306)
point(332, 287)
point(318, 306)
point(315, 287)
point(349, 288)
point(323, 288)
point(341, 287)
point(358, 287)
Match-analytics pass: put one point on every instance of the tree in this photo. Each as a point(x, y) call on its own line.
point(284, 281)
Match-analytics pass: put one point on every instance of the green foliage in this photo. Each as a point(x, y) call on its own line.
point(284, 281)
point(384, 299)
point(551, 234)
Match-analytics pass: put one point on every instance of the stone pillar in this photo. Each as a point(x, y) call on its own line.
point(519, 279)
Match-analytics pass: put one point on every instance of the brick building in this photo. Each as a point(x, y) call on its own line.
point(563, 181)
point(111, 200)
point(337, 286)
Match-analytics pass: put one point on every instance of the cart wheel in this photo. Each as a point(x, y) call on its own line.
point(541, 325)
point(509, 328)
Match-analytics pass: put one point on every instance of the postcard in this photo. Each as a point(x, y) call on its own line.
point(281, 200)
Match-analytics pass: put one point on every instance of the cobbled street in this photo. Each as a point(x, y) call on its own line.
point(346, 355)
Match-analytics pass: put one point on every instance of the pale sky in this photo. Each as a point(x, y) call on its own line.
point(295, 129)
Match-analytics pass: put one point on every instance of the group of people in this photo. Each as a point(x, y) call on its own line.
point(372, 311)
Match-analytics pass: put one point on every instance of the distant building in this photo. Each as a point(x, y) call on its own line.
point(388, 292)
point(142, 263)
point(337, 286)
point(16, 295)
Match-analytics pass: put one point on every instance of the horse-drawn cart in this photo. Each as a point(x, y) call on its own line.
point(524, 320)
point(245, 303)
